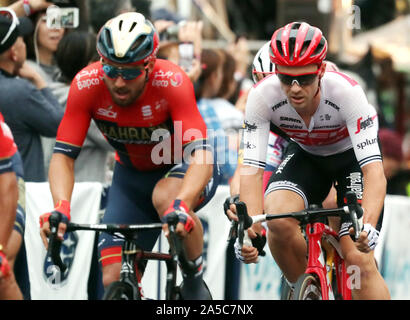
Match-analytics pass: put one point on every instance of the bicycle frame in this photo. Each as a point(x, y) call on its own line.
point(131, 253)
point(317, 233)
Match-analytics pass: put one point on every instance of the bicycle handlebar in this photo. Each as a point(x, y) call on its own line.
point(54, 244)
point(304, 217)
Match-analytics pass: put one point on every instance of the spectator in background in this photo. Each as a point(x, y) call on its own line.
point(398, 178)
point(230, 117)
point(240, 51)
point(42, 46)
point(206, 89)
point(76, 51)
point(103, 10)
point(27, 104)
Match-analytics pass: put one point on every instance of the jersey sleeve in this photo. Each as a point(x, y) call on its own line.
point(362, 124)
point(76, 120)
point(189, 126)
point(7, 148)
point(256, 130)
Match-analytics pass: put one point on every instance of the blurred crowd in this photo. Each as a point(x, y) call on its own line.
point(221, 78)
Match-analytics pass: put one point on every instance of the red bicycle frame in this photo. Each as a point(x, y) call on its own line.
point(318, 234)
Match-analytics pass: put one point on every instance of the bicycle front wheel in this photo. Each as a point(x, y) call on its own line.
point(308, 288)
point(119, 291)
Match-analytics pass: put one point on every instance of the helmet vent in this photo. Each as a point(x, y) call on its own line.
point(133, 26)
point(120, 25)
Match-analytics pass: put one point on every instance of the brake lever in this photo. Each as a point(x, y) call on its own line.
point(54, 244)
point(355, 211)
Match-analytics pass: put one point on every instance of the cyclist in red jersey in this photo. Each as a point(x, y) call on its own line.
point(146, 109)
point(8, 206)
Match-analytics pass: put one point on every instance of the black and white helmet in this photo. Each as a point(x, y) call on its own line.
point(262, 63)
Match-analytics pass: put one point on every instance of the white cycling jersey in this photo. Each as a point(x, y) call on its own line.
point(344, 119)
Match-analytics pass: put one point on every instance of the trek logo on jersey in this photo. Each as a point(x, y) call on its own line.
point(364, 124)
point(333, 105)
point(53, 275)
point(108, 113)
point(280, 104)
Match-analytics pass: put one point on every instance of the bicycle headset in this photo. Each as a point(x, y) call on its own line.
point(298, 44)
point(128, 39)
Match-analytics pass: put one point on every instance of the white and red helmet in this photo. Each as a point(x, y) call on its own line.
point(298, 44)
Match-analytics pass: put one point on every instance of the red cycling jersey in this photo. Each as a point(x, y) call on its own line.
point(7, 146)
point(146, 135)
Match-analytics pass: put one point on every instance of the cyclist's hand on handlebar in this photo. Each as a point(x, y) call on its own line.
point(178, 213)
point(252, 247)
point(229, 207)
point(368, 238)
point(62, 207)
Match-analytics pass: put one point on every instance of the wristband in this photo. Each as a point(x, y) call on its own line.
point(27, 8)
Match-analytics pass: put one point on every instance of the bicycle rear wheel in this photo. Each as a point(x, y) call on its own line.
point(308, 288)
point(119, 291)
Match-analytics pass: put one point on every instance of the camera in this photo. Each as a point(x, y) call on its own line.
point(66, 17)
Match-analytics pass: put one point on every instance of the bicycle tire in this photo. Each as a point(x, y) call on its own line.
point(308, 288)
point(119, 291)
point(285, 290)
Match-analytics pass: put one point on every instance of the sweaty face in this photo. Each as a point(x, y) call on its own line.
point(125, 83)
point(299, 91)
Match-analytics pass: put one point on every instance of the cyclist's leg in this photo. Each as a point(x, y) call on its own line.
point(129, 202)
point(295, 184)
point(11, 288)
point(365, 278)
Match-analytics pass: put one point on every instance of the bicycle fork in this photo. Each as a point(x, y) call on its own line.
point(316, 260)
point(129, 269)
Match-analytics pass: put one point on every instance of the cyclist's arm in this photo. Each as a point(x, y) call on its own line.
point(362, 123)
point(374, 192)
point(255, 141)
point(193, 138)
point(8, 205)
point(196, 177)
point(35, 5)
point(61, 177)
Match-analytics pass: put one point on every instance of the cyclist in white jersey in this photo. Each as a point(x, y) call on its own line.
point(334, 133)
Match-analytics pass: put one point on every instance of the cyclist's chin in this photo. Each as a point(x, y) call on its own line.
point(124, 100)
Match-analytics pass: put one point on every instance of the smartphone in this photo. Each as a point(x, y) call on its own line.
point(58, 18)
point(186, 55)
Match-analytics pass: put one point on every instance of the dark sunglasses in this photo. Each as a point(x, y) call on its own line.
point(126, 73)
point(300, 79)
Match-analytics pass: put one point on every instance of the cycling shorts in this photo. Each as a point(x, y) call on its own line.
point(130, 202)
point(312, 176)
